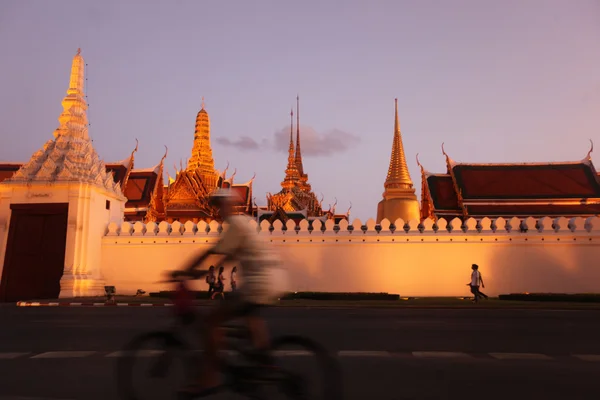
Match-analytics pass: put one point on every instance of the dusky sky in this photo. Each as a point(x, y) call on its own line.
point(510, 81)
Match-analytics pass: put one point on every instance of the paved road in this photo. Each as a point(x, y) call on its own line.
point(69, 353)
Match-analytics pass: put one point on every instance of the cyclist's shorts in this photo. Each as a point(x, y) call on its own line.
point(240, 307)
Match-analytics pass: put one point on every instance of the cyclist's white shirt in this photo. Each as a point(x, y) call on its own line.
point(258, 262)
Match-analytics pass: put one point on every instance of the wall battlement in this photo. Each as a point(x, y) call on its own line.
point(420, 259)
point(499, 226)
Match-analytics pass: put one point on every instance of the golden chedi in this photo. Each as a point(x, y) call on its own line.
point(399, 198)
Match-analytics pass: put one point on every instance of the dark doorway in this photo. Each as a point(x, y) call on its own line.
point(35, 252)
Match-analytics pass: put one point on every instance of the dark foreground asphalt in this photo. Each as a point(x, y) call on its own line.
point(69, 353)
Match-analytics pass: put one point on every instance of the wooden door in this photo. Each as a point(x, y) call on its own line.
point(35, 252)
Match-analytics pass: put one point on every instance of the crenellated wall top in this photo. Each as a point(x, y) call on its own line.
point(497, 226)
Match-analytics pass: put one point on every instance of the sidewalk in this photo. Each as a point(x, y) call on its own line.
point(404, 303)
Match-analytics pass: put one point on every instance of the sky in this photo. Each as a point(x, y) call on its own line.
point(510, 81)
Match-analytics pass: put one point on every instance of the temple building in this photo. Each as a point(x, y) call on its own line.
point(296, 200)
point(52, 204)
point(399, 198)
point(185, 197)
point(553, 189)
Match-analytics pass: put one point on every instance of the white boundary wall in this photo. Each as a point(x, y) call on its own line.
point(428, 259)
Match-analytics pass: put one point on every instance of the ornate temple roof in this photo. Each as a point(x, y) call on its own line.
point(70, 157)
point(512, 189)
point(7, 170)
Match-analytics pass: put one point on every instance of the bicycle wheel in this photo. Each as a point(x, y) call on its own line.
point(168, 355)
point(295, 385)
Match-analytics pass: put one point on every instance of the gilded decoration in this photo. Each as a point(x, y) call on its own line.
point(296, 194)
point(399, 197)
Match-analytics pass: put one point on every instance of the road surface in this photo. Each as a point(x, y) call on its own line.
point(63, 353)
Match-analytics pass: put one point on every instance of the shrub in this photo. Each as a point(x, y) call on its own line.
point(303, 296)
point(339, 296)
point(578, 297)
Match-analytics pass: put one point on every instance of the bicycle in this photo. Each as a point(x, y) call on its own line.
point(247, 378)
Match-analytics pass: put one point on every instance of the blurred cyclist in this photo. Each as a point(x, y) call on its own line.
point(259, 267)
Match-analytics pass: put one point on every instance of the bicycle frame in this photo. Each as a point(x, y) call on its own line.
point(186, 315)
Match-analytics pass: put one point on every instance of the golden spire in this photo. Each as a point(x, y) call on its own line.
point(303, 178)
point(202, 158)
point(398, 176)
point(291, 173)
point(298, 152)
point(74, 105)
point(399, 198)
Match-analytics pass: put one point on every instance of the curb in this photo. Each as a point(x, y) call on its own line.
point(58, 304)
point(307, 306)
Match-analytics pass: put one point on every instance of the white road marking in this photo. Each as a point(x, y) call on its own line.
point(140, 353)
point(29, 398)
point(440, 354)
point(520, 356)
point(10, 356)
point(297, 353)
point(358, 353)
point(291, 353)
point(65, 354)
point(587, 357)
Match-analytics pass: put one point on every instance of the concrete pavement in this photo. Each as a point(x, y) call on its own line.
point(69, 353)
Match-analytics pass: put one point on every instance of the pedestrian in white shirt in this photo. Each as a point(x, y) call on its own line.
point(476, 281)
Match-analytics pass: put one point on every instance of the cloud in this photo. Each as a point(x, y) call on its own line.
point(243, 143)
point(312, 143)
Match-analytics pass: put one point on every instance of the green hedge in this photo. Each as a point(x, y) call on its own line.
point(304, 296)
point(579, 297)
point(339, 296)
point(169, 294)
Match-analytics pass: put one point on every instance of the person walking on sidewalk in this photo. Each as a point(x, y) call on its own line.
point(233, 279)
point(476, 281)
point(210, 279)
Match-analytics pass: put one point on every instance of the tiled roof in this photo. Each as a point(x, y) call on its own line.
point(533, 181)
point(531, 189)
point(8, 169)
point(139, 188)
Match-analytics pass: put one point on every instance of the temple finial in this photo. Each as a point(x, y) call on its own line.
point(202, 102)
point(298, 151)
point(78, 51)
point(396, 121)
point(589, 154)
point(292, 128)
point(449, 161)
